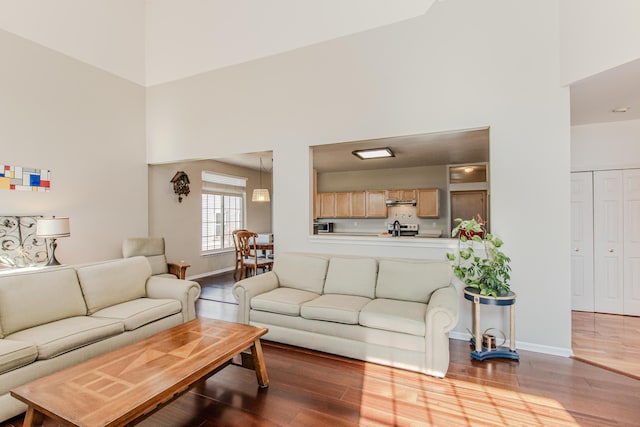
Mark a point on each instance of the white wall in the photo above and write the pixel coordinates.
(602, 146)
(597, 35)
(465, 64)
(87, 127)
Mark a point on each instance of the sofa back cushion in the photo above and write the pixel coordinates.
(352, 276)
(409, 280)
(158, 264)
(35, 298)
(301, 271)
(150, 247)
(114, 282)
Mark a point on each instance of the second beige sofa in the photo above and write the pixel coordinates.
(396, 312)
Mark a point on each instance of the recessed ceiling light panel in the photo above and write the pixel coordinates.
(373, 153)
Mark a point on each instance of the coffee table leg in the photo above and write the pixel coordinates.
(258, 363)
(32, 418)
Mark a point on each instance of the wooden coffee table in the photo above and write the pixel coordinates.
(118, 387)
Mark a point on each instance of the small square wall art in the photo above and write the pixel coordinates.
(19, 178)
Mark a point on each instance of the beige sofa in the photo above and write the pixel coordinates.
(396, 312)
(59, 316)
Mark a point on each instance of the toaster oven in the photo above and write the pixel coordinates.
(323, 227)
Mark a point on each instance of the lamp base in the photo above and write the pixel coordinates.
(52, 260)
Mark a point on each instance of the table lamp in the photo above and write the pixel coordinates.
(53, 228)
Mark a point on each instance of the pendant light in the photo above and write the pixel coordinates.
(260, 194)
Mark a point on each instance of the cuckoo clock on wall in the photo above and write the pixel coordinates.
(180, 184)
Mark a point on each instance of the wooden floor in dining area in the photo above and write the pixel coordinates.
(315, 389)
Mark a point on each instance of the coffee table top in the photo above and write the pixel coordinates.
(121, 385)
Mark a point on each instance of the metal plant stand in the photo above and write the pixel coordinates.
(480, 352)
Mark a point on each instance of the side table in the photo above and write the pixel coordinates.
(480, 353)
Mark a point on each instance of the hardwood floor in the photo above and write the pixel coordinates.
(607, 340)
(315, 389)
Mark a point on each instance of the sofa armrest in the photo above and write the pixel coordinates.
(445, 301)
(247, 288)
(185, 291)
(441, 317)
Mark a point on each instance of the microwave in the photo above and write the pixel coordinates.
(323, 227)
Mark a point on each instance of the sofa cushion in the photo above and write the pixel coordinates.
(306, 272)
(411, 280)
(334, 308)
(139, 312)
(282, 300)
(61, 336)
(352, 276)
(393, 315)
(14, 354)
(34, 298)
(113, 282)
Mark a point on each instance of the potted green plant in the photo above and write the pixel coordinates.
(488, 272)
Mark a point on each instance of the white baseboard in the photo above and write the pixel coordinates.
(538, 348)
(211, 273)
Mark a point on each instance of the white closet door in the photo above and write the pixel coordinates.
(582, 241)
(631, 242)
(608, 241)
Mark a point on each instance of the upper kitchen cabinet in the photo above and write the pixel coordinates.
(327, 203)
(352, 204)
(376, 204)
(428, 203)
(358, 204)
(401, 194)
(343, 205)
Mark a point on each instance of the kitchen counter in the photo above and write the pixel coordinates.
(436, 235)
(370, 238)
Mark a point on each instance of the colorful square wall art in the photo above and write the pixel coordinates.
(24, 179)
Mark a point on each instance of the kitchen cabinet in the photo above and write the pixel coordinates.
(343, 205)
(327, 205)
(316, 202)
(358, 204)
(352, 204)
(428, 203)
(376, 203)
(401, 194)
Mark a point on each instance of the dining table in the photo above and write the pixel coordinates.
(264, 247)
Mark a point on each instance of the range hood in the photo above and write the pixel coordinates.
(411, 202)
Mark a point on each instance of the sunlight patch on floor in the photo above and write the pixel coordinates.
(388, 392)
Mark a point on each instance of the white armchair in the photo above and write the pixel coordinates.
(153, 249)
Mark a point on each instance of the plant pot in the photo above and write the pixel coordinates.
(469, 234)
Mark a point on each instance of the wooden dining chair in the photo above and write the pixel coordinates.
(251, 260)
(238, 267)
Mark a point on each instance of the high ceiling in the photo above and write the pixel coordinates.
(594, 98)
(156, 41)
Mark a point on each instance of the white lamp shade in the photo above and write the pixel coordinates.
(260, 195)
(53, 227)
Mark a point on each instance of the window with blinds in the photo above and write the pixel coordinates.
(223, 210)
